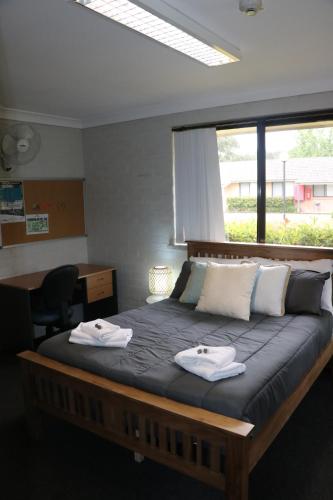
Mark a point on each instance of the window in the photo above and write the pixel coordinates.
(277, 179)
(329, 189)
(319, 190)
(300, 157)
(244, 189)
(277, 189)
(248, 189)
(238, 169)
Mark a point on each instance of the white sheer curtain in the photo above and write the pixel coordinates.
(198, 192)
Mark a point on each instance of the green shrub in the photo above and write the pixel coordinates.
(242, 204)
(242, 231)
(283, 234)
(273, 205)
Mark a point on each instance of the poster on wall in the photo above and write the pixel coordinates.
(37, 224)
(11, 202)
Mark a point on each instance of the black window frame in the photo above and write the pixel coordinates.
(261, 123)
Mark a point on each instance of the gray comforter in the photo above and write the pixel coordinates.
(278, 352)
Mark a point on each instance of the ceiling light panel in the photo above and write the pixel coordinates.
(141, 20)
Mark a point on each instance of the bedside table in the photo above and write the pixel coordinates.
(156, 298)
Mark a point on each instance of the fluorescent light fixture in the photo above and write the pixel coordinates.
(147, 23)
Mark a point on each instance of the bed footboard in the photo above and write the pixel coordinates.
(212, 448)
(209, 447)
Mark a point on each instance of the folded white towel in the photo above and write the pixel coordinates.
(99, 328)
(210, 363)
(228, 371)
(119, 342)
(106, 335)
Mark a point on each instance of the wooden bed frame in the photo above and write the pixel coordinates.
(213, 448)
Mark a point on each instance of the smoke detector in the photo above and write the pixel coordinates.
(250, 7)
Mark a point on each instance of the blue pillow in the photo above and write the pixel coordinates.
(194, 285)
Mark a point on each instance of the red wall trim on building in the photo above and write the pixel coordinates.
(298, 192)
(308, 192)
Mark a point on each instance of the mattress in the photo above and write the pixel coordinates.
(277, 351)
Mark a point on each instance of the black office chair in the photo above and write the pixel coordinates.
(56, 293)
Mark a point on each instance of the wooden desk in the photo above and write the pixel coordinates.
(96, 289)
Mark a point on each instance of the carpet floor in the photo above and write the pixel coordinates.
(71, 464)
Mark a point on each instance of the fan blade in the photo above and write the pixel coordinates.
(24, 131)
(8, 145)
(15, 160)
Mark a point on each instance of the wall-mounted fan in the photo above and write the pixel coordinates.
(19, 145)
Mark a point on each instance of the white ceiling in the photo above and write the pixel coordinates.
(59, 59)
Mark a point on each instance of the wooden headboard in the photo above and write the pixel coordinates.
(241, 250)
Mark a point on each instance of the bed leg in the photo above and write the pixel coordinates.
(32, 414)
(237, 469)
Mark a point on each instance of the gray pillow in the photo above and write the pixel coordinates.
(182, 280)
(304, 291)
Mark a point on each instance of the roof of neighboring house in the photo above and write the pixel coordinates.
(298, 170)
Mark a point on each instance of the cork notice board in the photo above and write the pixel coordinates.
(61, 201)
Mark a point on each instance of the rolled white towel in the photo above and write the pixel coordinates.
(210, 363)
(209, 356)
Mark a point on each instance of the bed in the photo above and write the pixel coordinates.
(140, 399)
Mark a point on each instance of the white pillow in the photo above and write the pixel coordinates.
(321, 265)
(227, 290)
(270, 288)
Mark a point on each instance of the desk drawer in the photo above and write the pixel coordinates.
(99, 292)
(99, 279)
